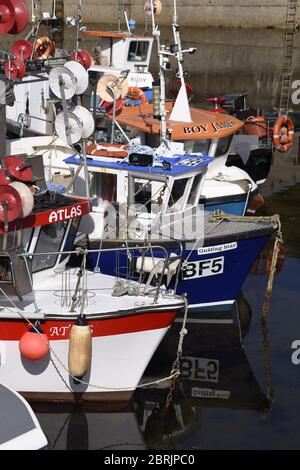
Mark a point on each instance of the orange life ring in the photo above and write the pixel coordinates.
(283, 134)
(108, 150)
(43, 48)
(136, 94)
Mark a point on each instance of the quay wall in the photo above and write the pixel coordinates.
(195, 13)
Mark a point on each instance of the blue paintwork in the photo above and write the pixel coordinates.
(205, 291)
(179, 164)
(235, 208)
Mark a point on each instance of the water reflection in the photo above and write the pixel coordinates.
(215, 374)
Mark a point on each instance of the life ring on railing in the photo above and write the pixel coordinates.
(108, 150)
(43, 48)
(283, 134)
(136, 94)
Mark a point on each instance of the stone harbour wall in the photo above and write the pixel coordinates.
(196, 13)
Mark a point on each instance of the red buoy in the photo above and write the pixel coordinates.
(34, 345)
(10, 203)
(17, 168)
(83, 57)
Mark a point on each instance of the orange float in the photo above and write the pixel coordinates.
(43, 48)
(34, 345)
(283, 134)
(136, 94)
(108, 150)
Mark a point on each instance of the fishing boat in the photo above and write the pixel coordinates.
(22, 430)
(67, 333)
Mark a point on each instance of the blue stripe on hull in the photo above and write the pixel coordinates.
(235, 208)
(208, 292)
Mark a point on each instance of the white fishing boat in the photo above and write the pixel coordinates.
(95, 334)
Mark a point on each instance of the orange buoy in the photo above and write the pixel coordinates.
(34, 345)
(136, 94)
(43, 48)
(283, 134)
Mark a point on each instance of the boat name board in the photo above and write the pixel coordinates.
(214, 127)
(217, 248)
(66, 213)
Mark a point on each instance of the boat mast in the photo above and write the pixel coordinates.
(181, 109)
(163, 119)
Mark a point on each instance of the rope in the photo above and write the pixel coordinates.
(176, 364)
(269, 288)
(172, 375)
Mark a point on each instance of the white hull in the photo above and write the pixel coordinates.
(118, 362)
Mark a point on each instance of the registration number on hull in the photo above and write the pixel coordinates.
(203, 268)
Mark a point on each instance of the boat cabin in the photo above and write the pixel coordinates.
(164, 186)
(50, 228)
(208, 133)
(120, 51)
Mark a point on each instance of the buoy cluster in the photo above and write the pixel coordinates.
(14, 18)
(34, 346)
(16, 194)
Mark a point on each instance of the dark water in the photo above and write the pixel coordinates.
(252, 385)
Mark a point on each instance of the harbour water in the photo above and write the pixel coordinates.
(239, 388)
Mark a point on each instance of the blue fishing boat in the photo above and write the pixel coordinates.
(156, 198)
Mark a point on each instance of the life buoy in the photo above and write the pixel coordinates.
(43, 48)
(108, 150)
(136, 94)
(283, 134)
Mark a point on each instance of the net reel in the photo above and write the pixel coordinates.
(81, 125)
(68, 80)
(14, 16)
(14, 69)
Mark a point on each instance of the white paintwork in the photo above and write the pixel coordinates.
(118, 360)
(34, 439)
(41, 115)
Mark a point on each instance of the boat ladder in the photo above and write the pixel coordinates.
(288, 56)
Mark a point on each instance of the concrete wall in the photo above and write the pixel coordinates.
(199, 13)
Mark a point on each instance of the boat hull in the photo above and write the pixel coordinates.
(214, 274)
(121, 350)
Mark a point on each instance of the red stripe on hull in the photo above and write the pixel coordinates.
(12, 330)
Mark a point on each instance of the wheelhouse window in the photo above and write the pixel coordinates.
(197, 146)
(223, 146)
(49, 240)
(138, 51)
(176, 199)
(194, 190)
(103, 187)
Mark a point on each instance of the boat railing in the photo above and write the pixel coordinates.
(160, 267)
